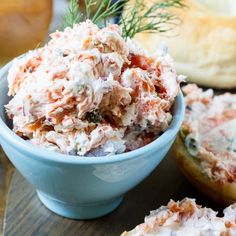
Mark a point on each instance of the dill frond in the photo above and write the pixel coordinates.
(137, 18)
(73, 15)
(156, 18)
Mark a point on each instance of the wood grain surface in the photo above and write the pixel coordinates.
(25, 214)
(6, 170)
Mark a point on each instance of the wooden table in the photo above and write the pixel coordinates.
(25, 214)
(6, 170)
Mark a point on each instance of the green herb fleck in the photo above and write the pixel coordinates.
(81, 87)
(93, 117)
(231, 146)
(191, 145)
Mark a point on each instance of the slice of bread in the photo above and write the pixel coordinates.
(185, 218)
(222, 192)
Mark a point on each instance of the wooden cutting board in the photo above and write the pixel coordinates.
(25, 214)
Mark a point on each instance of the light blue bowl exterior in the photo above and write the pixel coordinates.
(83, 187)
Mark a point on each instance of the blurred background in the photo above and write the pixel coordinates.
(203, 46)
(25, 24)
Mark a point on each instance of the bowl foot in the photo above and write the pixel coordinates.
(79, 211)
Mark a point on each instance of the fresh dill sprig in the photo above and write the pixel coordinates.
(156, 18)
(136, 18)
(88, 6)
(107, 9)
(73, 14)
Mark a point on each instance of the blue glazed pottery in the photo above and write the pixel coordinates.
(82, 187)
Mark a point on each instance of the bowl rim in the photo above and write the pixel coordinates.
(20, 144)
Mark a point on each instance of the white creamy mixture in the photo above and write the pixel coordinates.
(90, 92)
(209, 131)
(186, 218)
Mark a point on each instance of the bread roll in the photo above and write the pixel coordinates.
(204, 45)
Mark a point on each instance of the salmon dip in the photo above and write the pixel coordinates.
(209, 132)
(186, 218)
(90, 92)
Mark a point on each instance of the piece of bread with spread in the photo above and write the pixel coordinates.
(206, 145)
(204, 44)
(186, 218)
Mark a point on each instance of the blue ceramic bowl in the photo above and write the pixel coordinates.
(83, 187)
